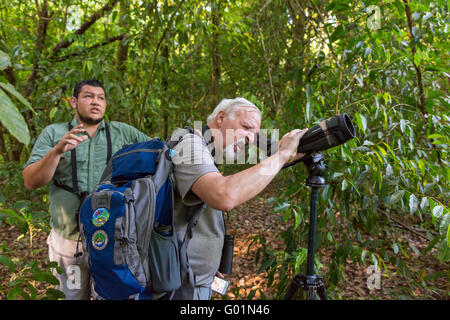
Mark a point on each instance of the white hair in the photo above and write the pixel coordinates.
(230, 106)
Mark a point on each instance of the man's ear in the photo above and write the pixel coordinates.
(73, 102)
(220, 117)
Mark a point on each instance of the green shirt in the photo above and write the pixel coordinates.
(91, 161)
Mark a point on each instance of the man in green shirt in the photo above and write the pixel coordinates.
(51, 159)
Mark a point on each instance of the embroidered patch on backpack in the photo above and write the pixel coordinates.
(99, 240)
(100, 217)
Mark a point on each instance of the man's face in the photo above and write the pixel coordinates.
(238, 130)
(90, 104)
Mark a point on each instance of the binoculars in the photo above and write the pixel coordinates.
(327, 134)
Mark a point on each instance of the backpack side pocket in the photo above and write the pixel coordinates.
(164, 260)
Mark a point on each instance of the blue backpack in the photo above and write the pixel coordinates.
(126, 225)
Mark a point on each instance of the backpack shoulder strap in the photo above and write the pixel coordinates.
(73, 163)
(187, 276)
(172, 143)
(108, 142)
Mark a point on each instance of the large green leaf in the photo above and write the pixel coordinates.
(362, 122)
(445, 223)
(413, 203)
(45, 277)
(396, 197)
(443, 251)
(10, 88)
(338, 33)
(14, 293)
(300, 259)
(53, 294)
(438, 211)
(448, 235)
(13, 120)
(7, 262)
(5, 62)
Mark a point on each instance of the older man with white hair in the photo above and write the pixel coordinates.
(203, 193)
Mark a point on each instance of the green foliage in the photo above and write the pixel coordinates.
(26, 221)
(25, 278)
(29, 216)
(396, 169)
(10, 116)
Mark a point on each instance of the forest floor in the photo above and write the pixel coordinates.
(248, 220)
(257, 218)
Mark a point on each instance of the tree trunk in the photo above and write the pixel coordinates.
(41, 33)
(122, 48)
(155, 56)
(3, 150)
(296, 48)
(165, 85)
(215, 54)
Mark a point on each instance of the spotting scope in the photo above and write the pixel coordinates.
(326, 134)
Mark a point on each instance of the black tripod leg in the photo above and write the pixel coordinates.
(310, 293)
(292, 288)
(322, 292)
(310, 282)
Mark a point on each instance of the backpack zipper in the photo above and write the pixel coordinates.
(136, 150)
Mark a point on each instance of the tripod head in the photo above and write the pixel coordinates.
(316, 168)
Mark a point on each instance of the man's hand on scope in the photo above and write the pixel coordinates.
(70, 140)
(288, 145)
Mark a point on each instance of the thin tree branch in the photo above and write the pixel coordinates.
(85, 26)
(264, 6)
(100, 44)
(404, 226)
(413, 52)
(419, 74)
(336, 108)
(329, 44)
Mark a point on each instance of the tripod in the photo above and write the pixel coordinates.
(310, 282)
